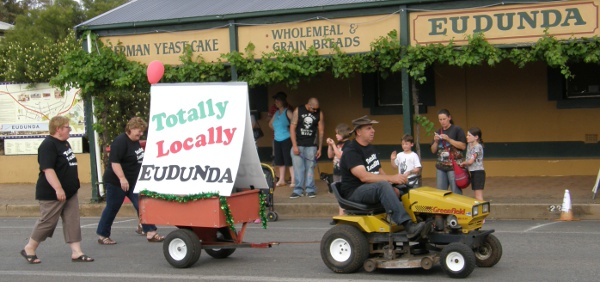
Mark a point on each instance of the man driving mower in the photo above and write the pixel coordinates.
(364, 181)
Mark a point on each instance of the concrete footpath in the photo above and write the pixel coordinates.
(537, 197)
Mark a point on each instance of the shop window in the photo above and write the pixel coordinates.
(389, 92)
(585, 84)
(581, 91)
(259, 99)
(384, 95)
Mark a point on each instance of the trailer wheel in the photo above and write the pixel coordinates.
(488, 254)
(223, 236)
(182, 248)
(272, 216)
(457, 260)
(344, 248)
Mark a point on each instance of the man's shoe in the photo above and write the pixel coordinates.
(311, 194)
(413, 230)
(294, 196)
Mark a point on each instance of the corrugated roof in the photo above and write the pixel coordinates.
(5, 26)
(157, 10)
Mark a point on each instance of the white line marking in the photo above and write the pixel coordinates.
(96, 224)
(539, 226)
(167, 277)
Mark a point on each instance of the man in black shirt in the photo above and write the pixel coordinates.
(364, 181)
(307, 128)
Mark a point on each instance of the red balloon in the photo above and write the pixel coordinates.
(155, 71)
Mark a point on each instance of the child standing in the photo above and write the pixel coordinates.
(334, 150)
(407, 162)
(475, 161)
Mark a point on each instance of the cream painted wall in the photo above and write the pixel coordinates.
(25, 169)
(509, 104)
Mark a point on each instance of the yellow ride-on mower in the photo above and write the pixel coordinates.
(365, 237)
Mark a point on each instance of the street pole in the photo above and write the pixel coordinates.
(95, 153)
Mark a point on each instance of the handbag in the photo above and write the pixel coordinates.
(461, 175)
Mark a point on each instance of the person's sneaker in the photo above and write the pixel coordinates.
(413, 230)
(295, 196)
(311, 194)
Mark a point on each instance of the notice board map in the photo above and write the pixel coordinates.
(25, 111)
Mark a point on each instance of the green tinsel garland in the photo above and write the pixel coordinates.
(263, 207)
(227, 211)
(180, 199)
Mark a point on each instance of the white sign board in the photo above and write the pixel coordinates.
(200, 140)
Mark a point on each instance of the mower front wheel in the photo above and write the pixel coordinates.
(488, 254)
(344, 248)
(457, 260)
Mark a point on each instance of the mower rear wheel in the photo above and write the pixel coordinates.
(457, 260)
(344, 248)
(488, 254)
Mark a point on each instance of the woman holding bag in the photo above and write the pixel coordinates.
(120, 178)
(449, 139)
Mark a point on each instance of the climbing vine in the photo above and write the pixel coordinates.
(120, 88)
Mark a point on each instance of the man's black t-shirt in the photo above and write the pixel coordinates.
(307, 127)
(356, 155)
(57, 155)
(127, 153)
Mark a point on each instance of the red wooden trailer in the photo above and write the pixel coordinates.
(202, 224)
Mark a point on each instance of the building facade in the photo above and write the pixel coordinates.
(534, 120)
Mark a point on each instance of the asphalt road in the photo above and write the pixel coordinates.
(533, 251)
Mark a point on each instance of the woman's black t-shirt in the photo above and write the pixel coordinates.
(127, 153)
(57, 155)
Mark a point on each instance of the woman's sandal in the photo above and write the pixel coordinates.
(31, 259)
(156, 238)
(106, 241)
(139, 230)
(82, 258)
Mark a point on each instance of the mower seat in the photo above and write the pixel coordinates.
(353, 208)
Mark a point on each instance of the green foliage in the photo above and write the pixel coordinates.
(197, 70)
(34, 62)
(53, 22)
(280, 66)
(120, 88)
(94, 8)
(33, 50)
(424, 122)
(10, 9)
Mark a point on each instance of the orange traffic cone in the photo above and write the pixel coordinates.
(566, 212)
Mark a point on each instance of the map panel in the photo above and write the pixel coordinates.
(25, 111)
